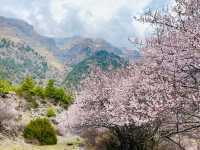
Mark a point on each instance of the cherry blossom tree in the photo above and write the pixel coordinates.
(175, 46)
(127, 102)
(156, 98)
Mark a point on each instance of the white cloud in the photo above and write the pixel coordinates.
(109, 19)
(95, 10)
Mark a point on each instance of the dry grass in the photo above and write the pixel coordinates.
(63, 144)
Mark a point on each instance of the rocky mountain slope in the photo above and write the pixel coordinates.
(22, 32)
(75, 49)
(102, 59)
(18, 60)
(28, 52)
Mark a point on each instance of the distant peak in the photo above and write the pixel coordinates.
(17, 23)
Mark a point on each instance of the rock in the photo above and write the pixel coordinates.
(2, 95)
(54, 121)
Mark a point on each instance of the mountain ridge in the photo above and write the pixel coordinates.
(60, 54)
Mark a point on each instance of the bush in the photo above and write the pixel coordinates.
(50, 112)
(28, 84)
(50, 89)
(57, 94)
(5, 87)
(41, 130)
(61, 96)
(31, 91)
(39, 91)
(28, 89)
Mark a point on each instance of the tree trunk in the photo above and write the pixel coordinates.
(130, 144)
(124, 144)
(130, 139)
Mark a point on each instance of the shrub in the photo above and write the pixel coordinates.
(57, 94)
(31, 91)
(41, 130)
(51, 112)
(62, 96)
(27, 90)
(39, 91)
(28, 84)
(50, 89)
(5, 87)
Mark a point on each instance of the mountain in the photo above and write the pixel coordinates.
(18, 60)
(22, 32)
(24, 51)
(75, 49)
(102, 59)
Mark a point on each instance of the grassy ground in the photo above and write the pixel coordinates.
(71, 143)
(63, 144)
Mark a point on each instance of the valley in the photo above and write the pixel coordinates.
(32, 66)
(100, 75)
(24, 52)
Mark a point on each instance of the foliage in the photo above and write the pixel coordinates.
(105, 60)
(27, 85)
(40, 129)
(61, 96)
(164, 83)
(5, 87)
(51, 112)
(26, 90)
(57, 94)
(102, 59)
(39, 91)
(173, 57)
(23, 59)
(158, 97)
(50, 89)
(5, 43)
(32, 91)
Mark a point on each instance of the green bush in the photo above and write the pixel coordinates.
(61, 96)
(32, 91)
(28, 84)
(50, 89)
(26, 89)
(58, 94)
(39, 91)
(50, 112)
(5, 87)
(41, 130)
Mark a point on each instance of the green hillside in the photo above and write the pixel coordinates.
(102, 59)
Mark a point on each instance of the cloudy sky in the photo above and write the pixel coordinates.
(108, 19)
